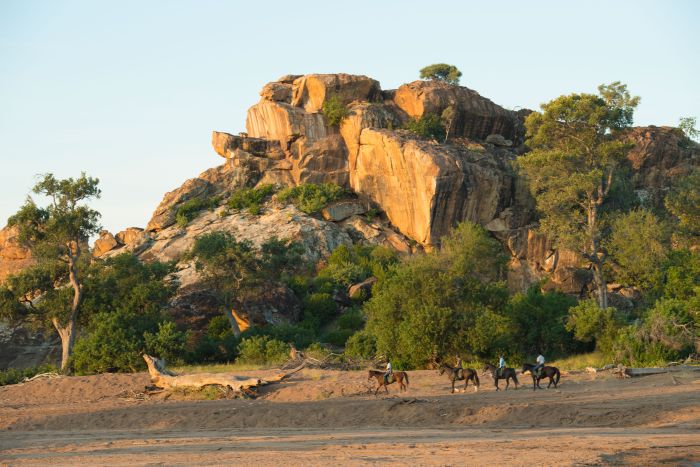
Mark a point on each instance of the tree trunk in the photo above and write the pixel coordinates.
(602, 285)
(67, 334)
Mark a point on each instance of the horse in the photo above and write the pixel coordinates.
(397, 376)
(508, 373)
(459, 374)
(550, 372)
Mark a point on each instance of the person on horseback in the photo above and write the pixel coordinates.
(388, 373)
(539, 366)
(460, 370)
(501, 365)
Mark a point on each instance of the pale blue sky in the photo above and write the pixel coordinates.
(129, 91)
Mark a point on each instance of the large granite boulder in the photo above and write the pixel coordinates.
(426, 188)
(105, 243)
(476, 117)
(311, 91)
(13, 257)
(285, 123)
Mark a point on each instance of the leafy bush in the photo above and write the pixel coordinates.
(116, 342)
(262, 350)
(540, 321)
(318, 309)
(191, 208)
(352, 320)
(334, 110)
(361, 345)
(337, 337)
(593, 324)
(668, 332)
(17, 375)
(310, 197)
(350, 265)
(428, 126)
(251, 199)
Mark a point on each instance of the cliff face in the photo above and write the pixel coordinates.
(422, 188)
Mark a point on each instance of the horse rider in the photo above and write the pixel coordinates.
(389, 372)
(501, 365)
(539, 366)
(459, 366)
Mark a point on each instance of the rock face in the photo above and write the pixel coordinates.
(659, 155)
(311, 91)
(426, 188)
(105, 243)
(13, 257)
(476, 116)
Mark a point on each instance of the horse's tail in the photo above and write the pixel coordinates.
(406, 376)
(557, 375)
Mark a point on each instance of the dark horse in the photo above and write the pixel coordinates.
(508, 374)
(459, 374)
(397, 376)
(550, 372)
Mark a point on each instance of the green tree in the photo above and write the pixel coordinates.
(447, 118)
(683, 201)
(637, 246)
(687, 126)
(232, 269)
(572, 167)
(591, 323)
(431, 305)
(441, 72)
(540, 321)
(57, 236)
(334, 110)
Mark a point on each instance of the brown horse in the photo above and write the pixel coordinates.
(507, 374)
(397, 376)
(459, 374)
(550, 372)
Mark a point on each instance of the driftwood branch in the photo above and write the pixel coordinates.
(167, 379)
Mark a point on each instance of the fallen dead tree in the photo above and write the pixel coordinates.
(166, 379)
(656, 371)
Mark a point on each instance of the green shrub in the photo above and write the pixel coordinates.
(310, 197)
(17, 375)
(428, 126)
(319, 307)
(441, 72)
(251, 199)
(334, 111)
(361, 345)
(352, 320)
(338, 337)
(191, 208)
(593, 324)
(116, 342)
(262, 350)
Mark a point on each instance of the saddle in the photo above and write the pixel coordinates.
(460, 373)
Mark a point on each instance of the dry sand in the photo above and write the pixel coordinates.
(322, 417)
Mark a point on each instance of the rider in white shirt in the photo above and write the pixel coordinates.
(389, 371)
(501, 364)
(540, 364)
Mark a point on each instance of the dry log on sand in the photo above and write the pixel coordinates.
(656, 371)
(167, 379)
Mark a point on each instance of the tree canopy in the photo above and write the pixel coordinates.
(57, 235)
(441, 72)
(573, 166)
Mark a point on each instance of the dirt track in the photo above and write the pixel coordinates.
(326, 416)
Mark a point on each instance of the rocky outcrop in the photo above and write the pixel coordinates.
(105, 243)
(476, 116)
(13, 257)
(658, 156)
(426, 188)
(311, 91)
(341, 210)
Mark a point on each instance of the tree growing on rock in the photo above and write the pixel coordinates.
(57, 235)
(231, 268)
(448, 117)
(573, 165)
(441, 72)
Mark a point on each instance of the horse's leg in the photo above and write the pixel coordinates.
(453, 386)
(534, 383)
(507, 383)
(386, 388)
(380, 385)
(495, 380)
